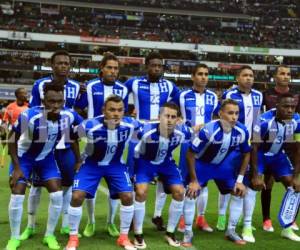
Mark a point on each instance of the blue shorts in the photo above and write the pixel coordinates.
(130, 158)
(44, 170)
(182, 160)
(168, 173)
(278, 165)
(90, 173)
(65, 160)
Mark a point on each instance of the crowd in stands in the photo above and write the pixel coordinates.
(267, 27)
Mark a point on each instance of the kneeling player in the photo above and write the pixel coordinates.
(278, 127)
(210, 157)
(154, 157)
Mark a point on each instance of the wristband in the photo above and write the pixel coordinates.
(240, 179)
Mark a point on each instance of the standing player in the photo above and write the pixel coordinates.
(282, 78)
(197, 107)
(107, 137)
(60, 63)
(150, 92)
(97, 91)
(154, 157)
(212, 149)
(31, 146)
(278, 128)
(250, 103)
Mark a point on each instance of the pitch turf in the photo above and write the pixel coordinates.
(154, 239)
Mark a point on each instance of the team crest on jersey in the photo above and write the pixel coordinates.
(71, 92)
(236, 140)
(118, 92)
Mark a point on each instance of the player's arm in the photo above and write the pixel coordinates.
(194, 186)
(35, 99)
(76, 150)
(239, 188)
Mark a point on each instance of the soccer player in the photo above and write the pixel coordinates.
(282, 78)
(31, 145)
(107, 137)
(210, 157)
(278, 128)
(197, 106)
(154, 157)
(97, 90)
(60, 63)
(250, 103)
(150, 92)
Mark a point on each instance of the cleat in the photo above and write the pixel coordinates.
(124, 242)
(159, 223)
(187, 239)
(267, 226)
(65, 230)
(171, 239)
(181, 225)
(51, 242)
(221, 224)
(203, 225)
(234, 237)
(288, 233)
(28, 233)
(139, 241)
(295, 226)
(89, 230)
(112, 230)
(73, 243)
(13, 244)
(248, 235)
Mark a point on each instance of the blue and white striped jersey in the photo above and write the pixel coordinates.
(70, 93)
(156, 148)
(104, 145)
(39, 136)
(96, 94)
(250, 105)
(197, 108)
(274, 134)
(149, 97)
(212, 145)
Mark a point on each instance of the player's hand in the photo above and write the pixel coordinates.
(258, 183)
(77, 166)
(197, 128)
(239, 189)
(193, 189)
(16, 175)
(82, 88)
(296, 184)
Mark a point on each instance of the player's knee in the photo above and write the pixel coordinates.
(126, 198)
(77, 198)
(140, 194)
(178, 194)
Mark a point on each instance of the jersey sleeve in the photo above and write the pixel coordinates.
(245, 146)
(175, 91)
(128, 84)
(35, 99)
(82, 101)
(198, 143)
(21, 123)
(125, 101)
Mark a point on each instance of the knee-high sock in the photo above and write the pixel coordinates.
(223, 203)
(189, 213)
(15, 210)
(249, 205)
(34, 198)
(175, 211)
(202, 201)
(55, 206)
(112, 210)
(67, 196)
(75, 214)
(160, 199)
(139, 215)
(126, 216)
(90, 206)
(266, 195)
(235, 211)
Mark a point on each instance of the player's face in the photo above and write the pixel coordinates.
(200, 79)
(22, 95)
(61, 66)
(283, 76)
(286, 108)
(155, 69)
(113, 113)
(110, 71)
(230, 114)
(245, 79)
(53, 102)
(168, 118)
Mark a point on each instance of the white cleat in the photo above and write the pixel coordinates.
(288, 233)
(247, 235)
(172, 241)
(295, 227)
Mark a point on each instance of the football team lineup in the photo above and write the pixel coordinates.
(244, 141)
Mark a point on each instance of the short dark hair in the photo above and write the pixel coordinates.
(170, 105)
(18, 90)
(153, 55)
(199, 65)
(283, 96)
(239, 71)
(228, 102)
(54, 86)
(107, 56)
(113, 98)
(59, 53)
(280, 66)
